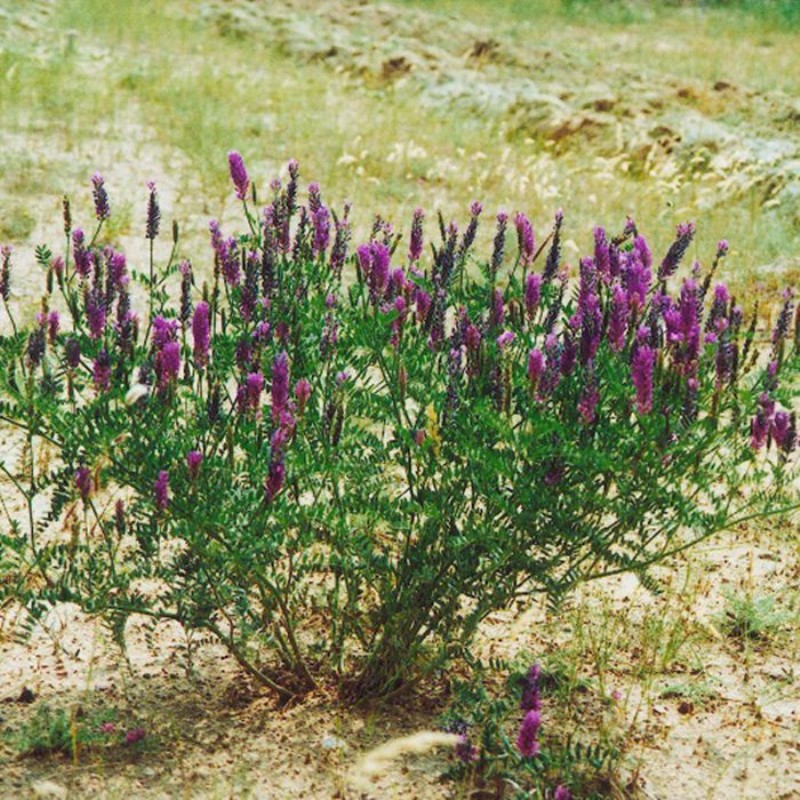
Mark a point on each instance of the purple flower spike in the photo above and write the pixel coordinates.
(415, 242)
(562, 793)
(200, 331)
(527, 743)
(466, 751)
(72, 353)
(161, 490)
(533, 294)
(322, 229)
(602, 259)
(101, 371)
(535, 367)
(135, 735)
(83, 482)
(676, 251)
(644, 360)
(302, 391)
(505, 339)
(193, 460)
(102, 210)
(280, 386)
(525, 239)
(781, 423)
(239, 176)
(95, 313)
(254, 386)
(531, 700)
(275, 479)
(153, 212)
(168, 363)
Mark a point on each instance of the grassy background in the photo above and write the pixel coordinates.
(165, 88)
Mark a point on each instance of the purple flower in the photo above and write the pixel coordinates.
(280, 385)
(499, 242)
(168, 363)
(164, 331)
(525, 239)
(676, 251)
(275, 478)
(53, 325)
(379, 270)
(193, 460)
(602, 260)
(423, 301)
(505, 339)
(781, 423)
(95, 313)
(102, 210)
(636, 279)
(80, 255)
(466, 751)
(302, 391)
(468, 239)
(108, 727)
(535, 367)
(562, 793)
(533, 293)
(322, 229)
(644, 360)
(415, 241)
(527, 743)
(101, 371)
(161, 490)
(72, 353)
(83, 482)
(761, 423)
(36, 346)
(135, 735)
(254, 385)
(497, 313)
(239, 176)
(554, 254)
(200, 332)
(530, 700)
(153, 212)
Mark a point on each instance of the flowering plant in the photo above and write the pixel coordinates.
(338, 464)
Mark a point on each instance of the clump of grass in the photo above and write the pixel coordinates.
(70, 732)
(752, 618)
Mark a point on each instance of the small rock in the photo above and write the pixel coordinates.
(333, 743)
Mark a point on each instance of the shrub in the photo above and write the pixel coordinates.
(338, 464)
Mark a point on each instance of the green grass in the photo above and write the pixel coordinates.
(200, 89)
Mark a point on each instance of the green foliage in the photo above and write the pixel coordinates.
(750, 617)
(488, 719)
(413, 471)
(58, 731)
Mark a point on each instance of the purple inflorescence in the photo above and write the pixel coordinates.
(526, 239)
(201, 333)
(102, 210)
(153, 212)
(194, 458)
(161, 490)
(239, 177)
(527, 742)
(644, 359)
(280, 386)
(83, 482)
